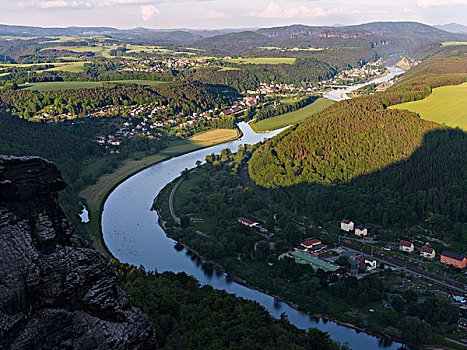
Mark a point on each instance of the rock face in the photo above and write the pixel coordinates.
(55, 293)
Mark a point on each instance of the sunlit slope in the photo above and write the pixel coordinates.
(344, 141)
(360, 136)
(446, 105)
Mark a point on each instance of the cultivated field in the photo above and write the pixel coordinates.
(446, 105)
(63, 85)
(295, 49)
(214, 136)
(106, 50)
(292, 117)
(73, 67)
(453, 43)
(264, 60)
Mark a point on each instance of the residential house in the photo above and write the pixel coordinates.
(406, 246)
(427, 252)
(347, 225)
(310, 243)
(312, 246)
(270, 241)
(370, 264)
(453, 259)
(462, 324)
(361, 231)
(247, 222)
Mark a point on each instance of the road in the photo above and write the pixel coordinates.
(171, 198)
(460, 287)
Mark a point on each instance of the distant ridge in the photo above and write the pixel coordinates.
(389, 36)
(453, 28)
(383, 37)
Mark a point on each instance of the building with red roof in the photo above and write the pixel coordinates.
(427, 252)
(247, 222)
(406, 246)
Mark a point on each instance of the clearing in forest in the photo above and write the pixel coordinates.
(446, 105)
(292, 117)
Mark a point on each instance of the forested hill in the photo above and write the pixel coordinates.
(383, 37)
(248, 76)
(373, 155)
(356, 136)
(180, 95)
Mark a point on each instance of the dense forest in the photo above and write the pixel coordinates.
(248, 76)
(187, 315)
(357, 159)
(182, 96)
(285, 108)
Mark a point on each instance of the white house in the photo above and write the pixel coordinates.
(247, 222)
(370, 264)
(427, 252)
(347, 225)
(406, 246)
(361, 231)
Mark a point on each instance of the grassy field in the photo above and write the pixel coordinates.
(446, 105)
(265, 60)
(95, 195)
(215, 136)
(62, 85)
(73, 67)
(105, 50)
(453, 43)
(295, 49)
(292, 117)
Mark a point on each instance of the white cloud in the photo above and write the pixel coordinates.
(428, 3)
(55, 4)
(215, 14)
(274, 10)
(148, 12)
(407, 10)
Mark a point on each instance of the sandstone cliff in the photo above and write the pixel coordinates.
(55, 293)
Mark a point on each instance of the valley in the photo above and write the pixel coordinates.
(258, 188)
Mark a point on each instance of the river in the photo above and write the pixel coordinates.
(341, 94)
(133, 235)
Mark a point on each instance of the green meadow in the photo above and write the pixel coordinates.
(72, 67)
(63, 85)
(446, 105)
(291, 118)
(264, 60)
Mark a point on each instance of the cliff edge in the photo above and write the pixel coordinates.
(55, 293)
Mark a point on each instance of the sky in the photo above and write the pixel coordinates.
(214, 14)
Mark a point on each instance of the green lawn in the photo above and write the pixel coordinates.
(292, 117)
(62, 85)
(72, 67)
(446, 105)
(265, 60)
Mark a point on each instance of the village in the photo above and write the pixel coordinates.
(344, 255)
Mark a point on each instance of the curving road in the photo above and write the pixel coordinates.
(171, 199)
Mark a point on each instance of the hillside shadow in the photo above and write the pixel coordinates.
(432, 180)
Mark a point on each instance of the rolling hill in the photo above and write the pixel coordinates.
(383, 37)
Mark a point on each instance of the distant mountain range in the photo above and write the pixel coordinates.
(453, 28)
(382, 36)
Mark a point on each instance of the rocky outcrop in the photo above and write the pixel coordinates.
(55, 293)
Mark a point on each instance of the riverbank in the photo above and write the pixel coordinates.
(241, 281)
(95, 196)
